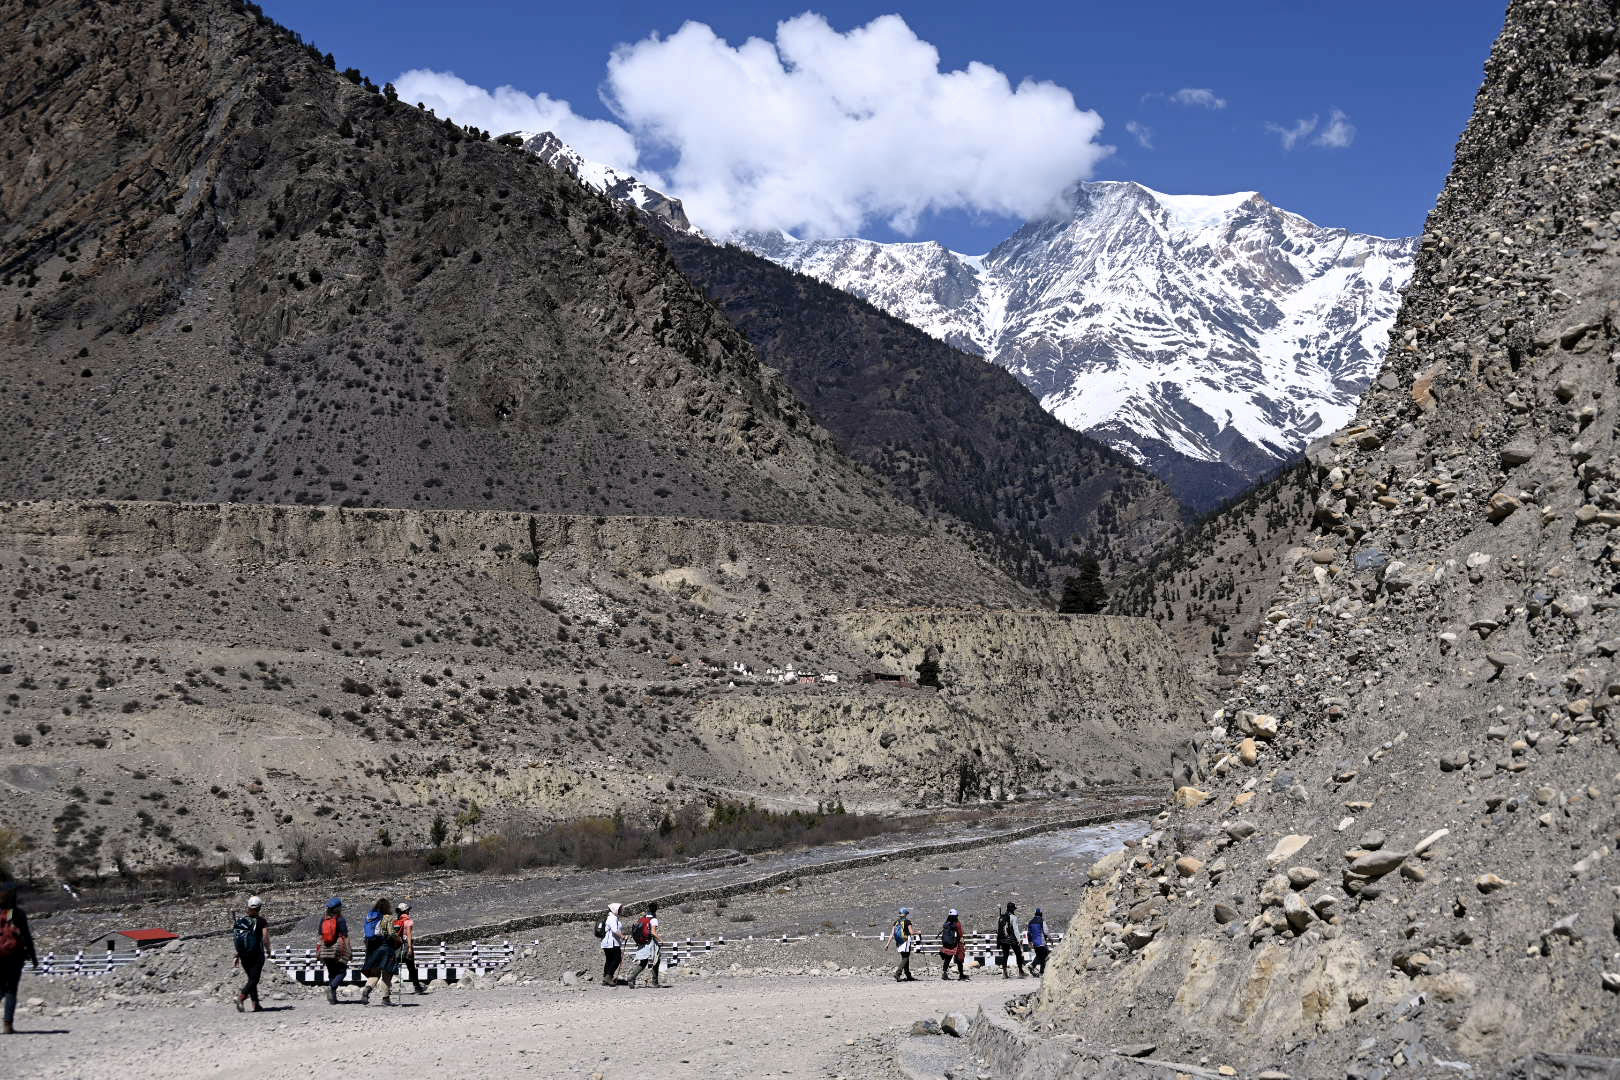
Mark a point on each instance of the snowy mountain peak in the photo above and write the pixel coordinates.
(1208, 337)
(606, 180)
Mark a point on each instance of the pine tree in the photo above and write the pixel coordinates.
(1084, 593)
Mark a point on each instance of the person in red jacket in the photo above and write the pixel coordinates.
(16, 949)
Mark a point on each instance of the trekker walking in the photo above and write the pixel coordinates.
(16, 949)
(333, 950)
(251, 935)
(407, 943)
(952, 946)
(644, 932)
(900, 937)
(1036, 928)
(382, 951)
(1007, 941)
(612, 944)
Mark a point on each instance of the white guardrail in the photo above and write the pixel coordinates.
(451, 963)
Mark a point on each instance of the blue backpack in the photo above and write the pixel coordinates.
(373, 923)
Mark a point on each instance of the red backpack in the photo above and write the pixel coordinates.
(10, 938)
(329, 934)
(641, 933)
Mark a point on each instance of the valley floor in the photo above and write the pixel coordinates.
(700, 1027)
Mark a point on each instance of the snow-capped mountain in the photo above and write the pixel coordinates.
(609, 181)
(1209, 338)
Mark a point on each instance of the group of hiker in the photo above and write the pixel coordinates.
(388, 935)
(642, 933)
(389, 938)
(903, 937)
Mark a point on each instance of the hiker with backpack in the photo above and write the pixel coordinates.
(251, 936)
(1007, 945)
(1036, 928)
(612, 934)
(333, 950)
(407, 943)
(382, 951)
(644, 932)
(901, 938)
(16, 949)
(952, 946)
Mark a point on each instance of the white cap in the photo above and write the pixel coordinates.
(404, 905)
(952, 911)
(254, 901)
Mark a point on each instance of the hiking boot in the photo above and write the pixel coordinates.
(240, 999)
(331, 995)
(365, 996)
(257, 1007)
(8, 1029)
(606, 981)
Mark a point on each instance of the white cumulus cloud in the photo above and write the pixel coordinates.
(821, 131)
(1197, 97)
(1143, 134)
(1338, 134)
(1296, 131)
(509, 109)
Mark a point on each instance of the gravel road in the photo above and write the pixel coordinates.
(699, 1028)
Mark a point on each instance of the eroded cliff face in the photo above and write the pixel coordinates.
(1397, 847)
(278, 672)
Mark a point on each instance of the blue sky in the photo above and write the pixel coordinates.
(1401, 75)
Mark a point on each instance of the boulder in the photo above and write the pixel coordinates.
(1287, 848)
(955, 1023)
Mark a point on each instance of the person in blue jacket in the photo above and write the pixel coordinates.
(1036, 929)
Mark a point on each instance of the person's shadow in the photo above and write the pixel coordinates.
(42, 1031)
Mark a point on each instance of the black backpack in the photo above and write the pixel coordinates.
(245, 932)
(601, 929)
(1004, 931)
(951, 935)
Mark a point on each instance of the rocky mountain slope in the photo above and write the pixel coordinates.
(1394, 853)
(948, 432)
(1208, 338)
(232, 274)
(1213, 587)
(183, 681)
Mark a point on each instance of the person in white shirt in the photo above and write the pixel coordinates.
(645, 935)
(612, 944)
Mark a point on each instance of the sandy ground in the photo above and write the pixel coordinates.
(698, 1028)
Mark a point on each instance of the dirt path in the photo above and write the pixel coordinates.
(700, 1028)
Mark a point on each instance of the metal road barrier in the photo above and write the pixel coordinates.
(445, 963)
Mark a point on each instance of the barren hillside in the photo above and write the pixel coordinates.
(1396, 852)
(183, 681)
(233, 274)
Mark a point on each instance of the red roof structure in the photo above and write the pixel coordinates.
(153, 936)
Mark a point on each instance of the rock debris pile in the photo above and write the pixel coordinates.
(1394, 850)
